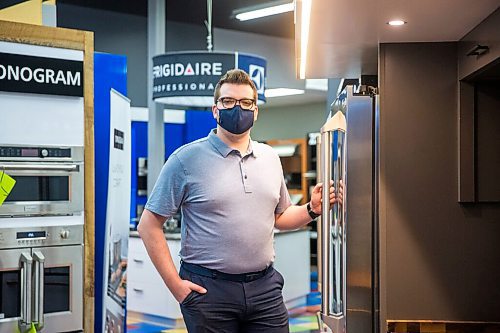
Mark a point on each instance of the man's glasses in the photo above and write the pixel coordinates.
(229, 102)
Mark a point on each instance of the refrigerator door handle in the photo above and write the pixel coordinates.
(333, 288)
(325, 223)
(38, 312)
(26, 266)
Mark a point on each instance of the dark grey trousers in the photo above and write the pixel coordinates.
(235, 307)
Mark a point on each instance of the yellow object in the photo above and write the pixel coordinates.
(29, 11)
(32, 329)
(6, 185)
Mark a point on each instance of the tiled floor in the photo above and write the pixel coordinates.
(302, 319)
(299, 323)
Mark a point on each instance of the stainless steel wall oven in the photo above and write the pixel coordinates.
(41, 276)
(41, 239)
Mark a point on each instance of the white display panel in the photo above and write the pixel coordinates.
(39, 119)
(170, 116)
(41, 51)
(117, 213)
(43, 120)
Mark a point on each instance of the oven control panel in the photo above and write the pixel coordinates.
(30, 152)
(31, 237)
(41, 236)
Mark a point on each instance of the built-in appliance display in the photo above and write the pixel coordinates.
(49, 180)
(31, 234)
(29, 152)
(42, 152)
(41, 277)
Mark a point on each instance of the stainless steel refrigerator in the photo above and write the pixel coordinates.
(348, 232)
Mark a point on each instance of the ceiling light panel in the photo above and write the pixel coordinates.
(267, 11)
(279, 92)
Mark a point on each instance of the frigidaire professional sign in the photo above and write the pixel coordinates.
(189, 78)
(39, 75)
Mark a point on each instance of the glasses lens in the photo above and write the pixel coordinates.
(228, 102)
(246, 103)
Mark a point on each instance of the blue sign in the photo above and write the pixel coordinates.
(255, 67)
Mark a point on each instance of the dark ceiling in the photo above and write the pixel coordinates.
(195, 12)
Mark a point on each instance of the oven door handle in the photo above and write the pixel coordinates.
(26, 265)
(41, 167)
(38, 311)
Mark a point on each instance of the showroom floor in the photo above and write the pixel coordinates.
(302, 319)
(305, 322)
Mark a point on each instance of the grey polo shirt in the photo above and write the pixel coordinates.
(228, 202)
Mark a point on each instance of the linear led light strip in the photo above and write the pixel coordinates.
(304, 36)
(287, 7)
(278, 92)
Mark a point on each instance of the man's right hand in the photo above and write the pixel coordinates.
(151, 231)
(184, 288)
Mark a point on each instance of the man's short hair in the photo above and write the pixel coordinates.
(235, 76)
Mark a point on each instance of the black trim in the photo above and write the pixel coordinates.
(9, 3)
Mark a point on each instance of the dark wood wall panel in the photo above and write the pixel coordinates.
(440, 258)
(488, 141)
(466, 144)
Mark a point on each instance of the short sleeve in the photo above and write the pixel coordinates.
(169, 190)
(284, 201)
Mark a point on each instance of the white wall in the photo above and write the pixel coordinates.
(279, 53)
(289, 122)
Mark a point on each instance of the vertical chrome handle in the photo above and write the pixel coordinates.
(333, 305)
(26, 263)
(319, 223)
(39, 260)
(326, 219)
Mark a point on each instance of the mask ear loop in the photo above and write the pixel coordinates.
(217, 120)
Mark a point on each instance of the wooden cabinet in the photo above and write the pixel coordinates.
(294, 156)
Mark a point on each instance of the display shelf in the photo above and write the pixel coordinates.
(293, 155)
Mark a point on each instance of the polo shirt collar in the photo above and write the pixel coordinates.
(251, 148)
(224, 149)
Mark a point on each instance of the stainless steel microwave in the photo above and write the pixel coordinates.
(49, 180)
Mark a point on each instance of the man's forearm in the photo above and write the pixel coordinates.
(156, 245)
(293, 217)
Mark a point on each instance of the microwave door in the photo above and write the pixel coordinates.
(333, 238)
(43, 188)
(15, 293)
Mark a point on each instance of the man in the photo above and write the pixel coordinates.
(232, 194)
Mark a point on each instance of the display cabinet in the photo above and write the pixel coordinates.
(294, 159)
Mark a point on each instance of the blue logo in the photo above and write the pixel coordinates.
(257, 76)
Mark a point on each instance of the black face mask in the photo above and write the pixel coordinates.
(235, 120)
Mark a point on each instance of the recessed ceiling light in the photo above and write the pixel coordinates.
(273, 8)
(396, 22)
(278, 92)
